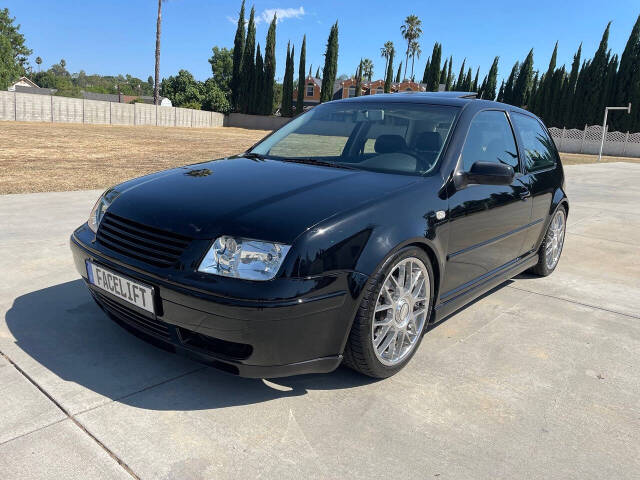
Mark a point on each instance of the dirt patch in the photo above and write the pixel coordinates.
(45, 157)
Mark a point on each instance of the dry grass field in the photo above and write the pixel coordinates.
(44, 157)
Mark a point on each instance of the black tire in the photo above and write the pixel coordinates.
(542, 268)
(359, 353)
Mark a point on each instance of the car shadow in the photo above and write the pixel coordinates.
(62, 329)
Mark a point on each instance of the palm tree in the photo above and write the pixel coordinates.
(367, 68)
(156, 86)
(386, 51)
(415, 51)
(38, 62)
(411, 30)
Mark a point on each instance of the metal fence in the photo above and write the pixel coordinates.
(28, 107)
(617, 144)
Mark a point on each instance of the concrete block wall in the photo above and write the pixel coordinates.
(67, 110)
(27, 107)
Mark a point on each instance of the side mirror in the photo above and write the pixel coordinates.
(486, 173)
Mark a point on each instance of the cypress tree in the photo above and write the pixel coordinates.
(535, 93)
(543, 100)
(592, 97)
(489, 90)
(449, 75)
(553, 110)
(389, 77)
(474, 85)
(432, 75)
(330, 65)
(238, 50)
(318, 72)
(460, 81)
(399, 72)
(258, 82)
(522, 86)
(507, 91)
(628, 82)
(501, 92)
(568, 97)
(466, 86)
(269, 69)
(247, 78)
(359, 79)
(578, 115)
(427, 72)
(284, 107)
(287, 84)
(443, 74)
(301, 78)
(482, 87)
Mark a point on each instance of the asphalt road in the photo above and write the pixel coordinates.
(539, 379)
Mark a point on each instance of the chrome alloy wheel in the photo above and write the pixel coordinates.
(555, 239)
(401, 311)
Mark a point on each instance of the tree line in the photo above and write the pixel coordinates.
(243, 78)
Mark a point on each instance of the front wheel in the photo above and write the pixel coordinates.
(551, 248)
(392, 316)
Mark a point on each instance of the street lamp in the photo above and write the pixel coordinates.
(604, 125)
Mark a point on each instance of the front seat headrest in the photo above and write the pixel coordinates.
(390, 144)
(428, 142)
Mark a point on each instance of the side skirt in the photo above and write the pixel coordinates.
(454, 303)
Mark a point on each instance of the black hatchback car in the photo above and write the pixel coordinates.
(341, 237)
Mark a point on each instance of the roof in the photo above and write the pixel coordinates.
(437, 98)
(27, 81)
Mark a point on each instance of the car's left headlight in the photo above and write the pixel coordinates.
(244, 258)
(99, 209)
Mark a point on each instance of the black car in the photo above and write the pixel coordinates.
(341, 237)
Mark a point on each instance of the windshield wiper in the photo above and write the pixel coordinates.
(313, 161)
(258, 156)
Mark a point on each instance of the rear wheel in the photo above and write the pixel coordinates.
(551, 247)
(392, 316)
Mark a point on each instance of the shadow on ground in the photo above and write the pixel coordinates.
(62, 329)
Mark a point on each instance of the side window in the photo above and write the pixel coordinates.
(539, 150)
(490, 139)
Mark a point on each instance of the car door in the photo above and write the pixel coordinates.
(486, 222)
(540, 161)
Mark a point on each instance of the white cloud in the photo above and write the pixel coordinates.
(282, 13)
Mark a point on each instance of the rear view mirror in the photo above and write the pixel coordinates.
(486, 173)
(370, 116)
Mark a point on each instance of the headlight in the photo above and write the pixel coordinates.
(99, 209)
(244, 258)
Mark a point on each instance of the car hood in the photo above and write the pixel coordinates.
(261, 199)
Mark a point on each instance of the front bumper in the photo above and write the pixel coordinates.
(259, 338)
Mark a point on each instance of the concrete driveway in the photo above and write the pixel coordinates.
(539, 379)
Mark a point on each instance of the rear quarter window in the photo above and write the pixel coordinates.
(539, 149)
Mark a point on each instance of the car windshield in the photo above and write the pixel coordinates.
(387, 137)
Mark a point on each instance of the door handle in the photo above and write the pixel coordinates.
(525, 194)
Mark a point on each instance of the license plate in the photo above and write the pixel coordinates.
(132, 292)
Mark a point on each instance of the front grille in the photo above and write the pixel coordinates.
(148, 325)
(148, 244)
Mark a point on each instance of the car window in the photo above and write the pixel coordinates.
(490, 139)
(380, 136)
(539, 151)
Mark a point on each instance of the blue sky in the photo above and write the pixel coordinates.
(118, 36)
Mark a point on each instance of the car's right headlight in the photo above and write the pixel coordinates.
(244, 258)
(99, 209)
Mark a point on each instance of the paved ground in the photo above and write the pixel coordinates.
(540, 379)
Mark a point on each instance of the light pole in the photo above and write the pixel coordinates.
(604, 125)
